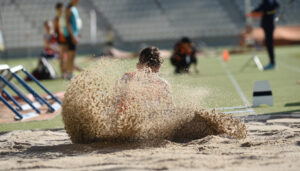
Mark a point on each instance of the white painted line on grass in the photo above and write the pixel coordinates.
(235, 84)
(266, 117)
(292, 68)
(233, 107)
(240, 111)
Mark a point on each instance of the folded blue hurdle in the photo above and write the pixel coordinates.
(6, 75)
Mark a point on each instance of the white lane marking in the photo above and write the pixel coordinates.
(235, 84)
(236, 109)
(237, 88)
(233, 107)
(289, 67)
(240, 111)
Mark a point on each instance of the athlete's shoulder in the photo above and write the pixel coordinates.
(163, 81)
(127, 76)
(130, 74)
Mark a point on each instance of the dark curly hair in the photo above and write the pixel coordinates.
(58, 5)
(150, 57)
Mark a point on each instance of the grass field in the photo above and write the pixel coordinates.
(211, 88)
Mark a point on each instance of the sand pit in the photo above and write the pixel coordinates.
(271, 145)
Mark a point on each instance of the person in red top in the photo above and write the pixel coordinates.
(144, 85)
(59, 23)
(50, 42)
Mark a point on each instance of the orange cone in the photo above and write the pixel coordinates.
(226, 55)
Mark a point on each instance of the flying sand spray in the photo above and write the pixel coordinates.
(90, 111)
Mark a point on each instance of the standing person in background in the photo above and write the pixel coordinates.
(71, 32)
(59, 24)
(268, 8)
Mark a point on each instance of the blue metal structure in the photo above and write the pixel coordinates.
(6, 74)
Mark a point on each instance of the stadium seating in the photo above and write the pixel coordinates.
(132, 20)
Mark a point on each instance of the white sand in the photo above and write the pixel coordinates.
(274, 145)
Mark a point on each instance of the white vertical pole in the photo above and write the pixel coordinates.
(248, 10)
(93, 22)
(1, 40)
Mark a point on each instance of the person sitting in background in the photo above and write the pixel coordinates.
(184, 55)
(59, 24)
(50, 42)
(44, 70)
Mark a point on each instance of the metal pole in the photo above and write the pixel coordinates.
(19, 94)
(42, 87)
(12, 99)
(3, 36)
(37, 96)
(93, 27)
(10, 107)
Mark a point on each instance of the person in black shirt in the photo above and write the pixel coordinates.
(268, 8)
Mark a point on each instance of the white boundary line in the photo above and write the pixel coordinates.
(240, 111)
(265, 117)
(233, 107)
(292, 68)
(236, 86)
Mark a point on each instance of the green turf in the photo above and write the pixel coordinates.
(208, 89)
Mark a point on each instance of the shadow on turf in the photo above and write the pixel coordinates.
(292, 104)
(270, 116)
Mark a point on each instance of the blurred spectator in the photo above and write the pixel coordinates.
(246, 39)
(71, 32)
(184, 55)
(44, 69)
(50, 42)
(59, 24)
(268, 8)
